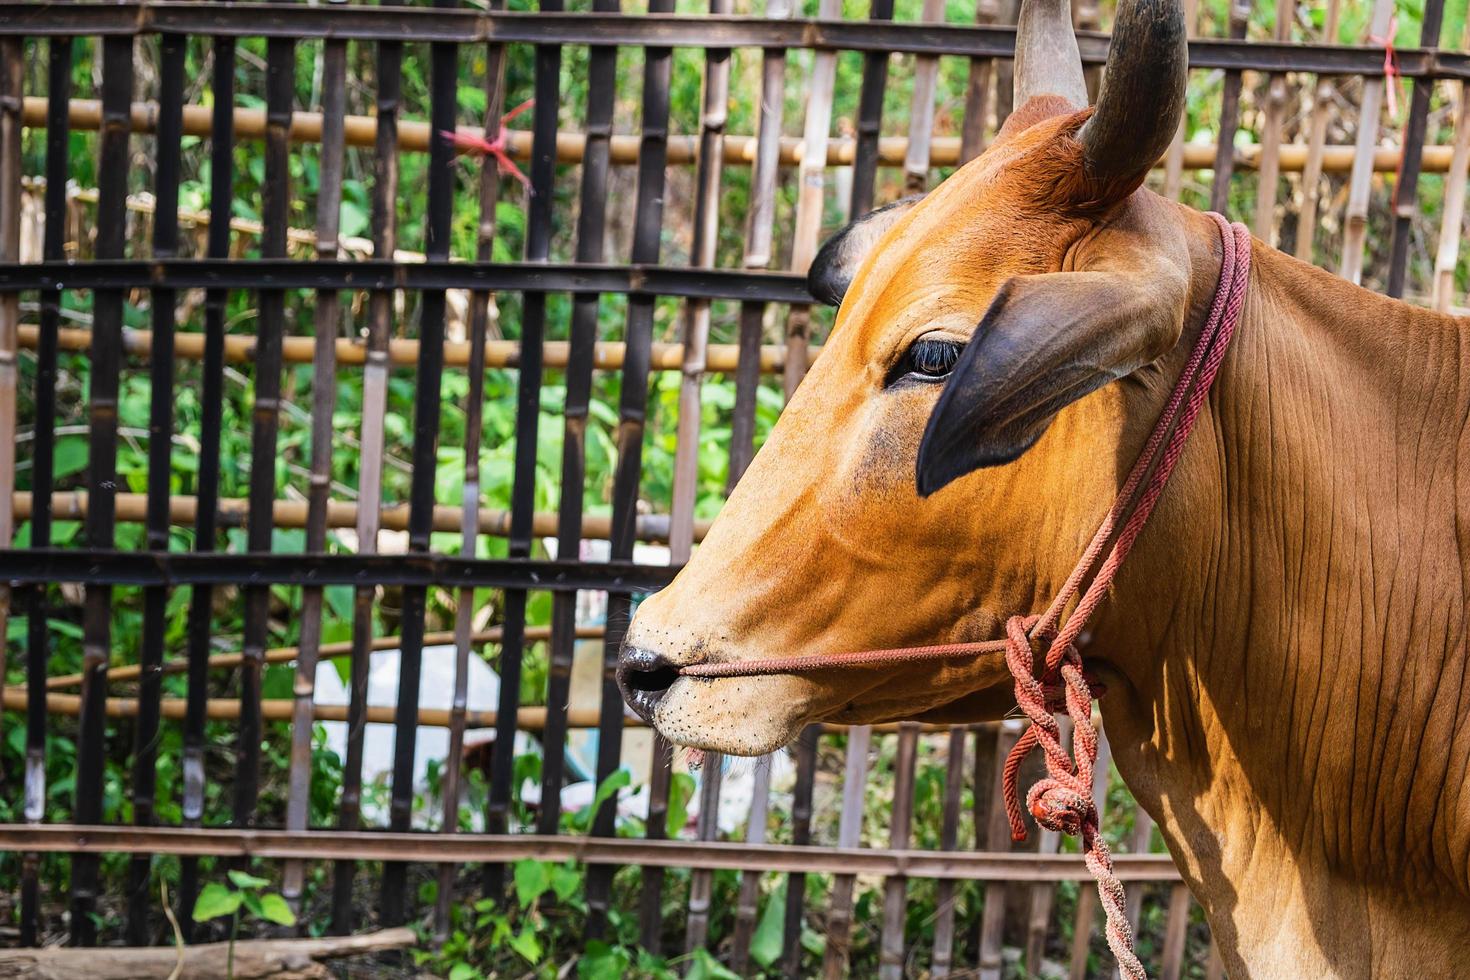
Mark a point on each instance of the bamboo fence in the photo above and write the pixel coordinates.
(1311, 182)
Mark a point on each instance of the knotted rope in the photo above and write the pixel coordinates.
(1062, 800)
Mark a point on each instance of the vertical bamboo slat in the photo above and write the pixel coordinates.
(327, 320)
(895, 889)
(758, 239)
(632, 414)
(443, 91)
(211, 421)
(1240, 13)
(949, 838)
(1175, 933)
(1086, 896)
(265, 419)
(102, 404)
(370, 470)
(849, 834)
(921, 110)
(43, 448)
(997, 837)
(686, 454)
(1174, 158)
(160, 434)
(1411, 162)
(812, 182)
(747, 905)
(1452, 227)
(12, 99)
(1360, 184)
(977, 88)
(1269, 173)
(1306, 227)
(470, 497)
(801, 833)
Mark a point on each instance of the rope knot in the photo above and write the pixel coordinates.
(1057, 806)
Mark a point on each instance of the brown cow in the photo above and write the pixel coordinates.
(1285, 650)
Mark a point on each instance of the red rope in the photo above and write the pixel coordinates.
(1062, 800)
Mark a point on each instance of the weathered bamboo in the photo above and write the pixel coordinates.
(1240, 13)
(323, 401)
(59, 57)
(738, 149)
(747, 905)
(1355, 225)
(1452, 226)
(1174, 156)
(1312, 167)
(996, 836)
(464, 635)
(102, 479)
(1406, 187)
(1139, 841)
(895, 888)
(160, 471)
(869, 120)
(1175, 933)
(11, 92)
(370, 471)
(686, 452)
(801, 836)
(849, 834)
(811, 192)
(949, 837)
(1271, 129)
(921, 110)
(404, 352)
(977, 93)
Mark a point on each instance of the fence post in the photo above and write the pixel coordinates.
(1306, 226)
(1412, 160)
(1360, 186)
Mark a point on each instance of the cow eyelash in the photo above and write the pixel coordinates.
(928, 359)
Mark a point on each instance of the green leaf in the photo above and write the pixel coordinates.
(606, 791)
(215, 901)
(532, 880)
(274, 908)
(463, 971)
(565, 881)
(703, 966)
(70, 456)
(243, 879)
(527, 945)
(765, 944)
(681, 791)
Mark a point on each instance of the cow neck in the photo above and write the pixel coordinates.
(1063, 800)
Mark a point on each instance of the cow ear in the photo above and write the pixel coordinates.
(1046, 341)
(838, 261)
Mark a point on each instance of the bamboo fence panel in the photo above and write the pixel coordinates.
(1451, 228)
(163, 281)
(996, 837)
(1174, 156)
(1239, 20)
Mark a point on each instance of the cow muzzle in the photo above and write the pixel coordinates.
(645, 678)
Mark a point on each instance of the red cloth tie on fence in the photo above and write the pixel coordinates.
(1063, 800)
(493, 148)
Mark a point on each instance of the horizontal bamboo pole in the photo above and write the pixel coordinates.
(123, 673)
(369, 845)
(528, 718)
(240, 349)
(306, 127)
(132, 508)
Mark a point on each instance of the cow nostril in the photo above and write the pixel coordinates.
(645, 677)
(661, 678)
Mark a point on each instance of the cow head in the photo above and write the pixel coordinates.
(957, 441)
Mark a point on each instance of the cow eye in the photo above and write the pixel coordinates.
(927, 359)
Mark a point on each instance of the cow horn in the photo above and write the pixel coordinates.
(1142, 95)
(1047, 61)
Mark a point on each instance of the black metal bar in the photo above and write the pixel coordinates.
(211, 421)
(375, 382)
(353, 22)
(160, 434)
(107, 321)
(801, 834)
(276, 190)
(1407, 187)
(632, 411)
(426, 415)
(546, 277)
(38, 648)
(870, 117)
